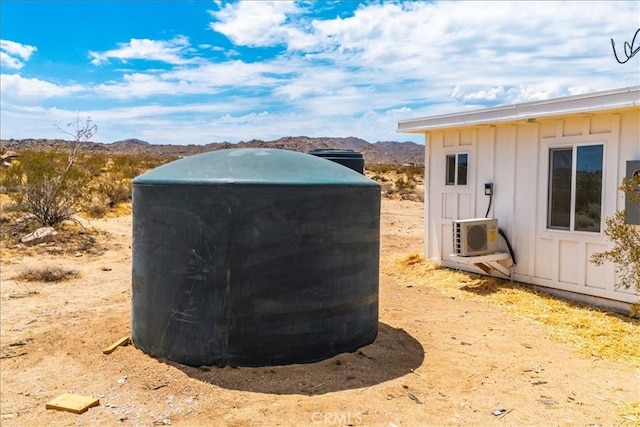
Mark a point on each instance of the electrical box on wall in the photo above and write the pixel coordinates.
(633, 209)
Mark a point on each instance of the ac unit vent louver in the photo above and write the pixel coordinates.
(473, 237)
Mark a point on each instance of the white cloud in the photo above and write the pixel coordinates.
(262, 23)
(22, 51)
(13, 55)
(204, 80)
(7, 61)
(140, 85)
(172, 51)
(233, 73)
(546, 48)
(348, 75)
(20, 90)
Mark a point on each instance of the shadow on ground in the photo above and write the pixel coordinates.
(394, 354)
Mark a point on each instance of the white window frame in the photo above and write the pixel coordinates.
(455, 182)
(572, 214)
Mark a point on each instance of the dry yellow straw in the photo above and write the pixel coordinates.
(598, 333)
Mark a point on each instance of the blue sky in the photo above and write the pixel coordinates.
(194, 72)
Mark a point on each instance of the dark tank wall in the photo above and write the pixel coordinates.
(254, 275)
(349, 158)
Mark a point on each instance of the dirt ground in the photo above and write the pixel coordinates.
(438, 360)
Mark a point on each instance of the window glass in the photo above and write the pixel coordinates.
(560, 188)
(575, 188)
(588, 188)
(451, 170)
(462, 169)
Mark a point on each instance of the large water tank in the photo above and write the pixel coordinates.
(349, 158)
(254, 257)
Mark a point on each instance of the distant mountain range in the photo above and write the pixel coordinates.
(382, 152)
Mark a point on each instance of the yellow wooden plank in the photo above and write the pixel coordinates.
(122, 341)
(72, 403)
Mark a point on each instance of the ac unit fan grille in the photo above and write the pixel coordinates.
(477, 237)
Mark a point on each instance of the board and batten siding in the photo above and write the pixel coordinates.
(515, 158)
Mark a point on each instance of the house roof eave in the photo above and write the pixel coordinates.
(585, 103)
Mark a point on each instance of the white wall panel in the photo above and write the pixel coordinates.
(450, 206)
(522, 229)
(504, 186)
(544, 259)
(548, 129)
(468, 136)
(446, 243)
(597, 276)
(451, 138)
(464, 206)
(485, 156)
(600, 123)
(568, 264)
(573, 126)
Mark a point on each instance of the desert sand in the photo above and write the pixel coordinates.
(438, 359)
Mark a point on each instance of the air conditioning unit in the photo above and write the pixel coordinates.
(472, 237)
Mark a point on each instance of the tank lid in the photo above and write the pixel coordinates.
(257, 166)
(337, 153)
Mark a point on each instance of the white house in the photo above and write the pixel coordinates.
(549, 172)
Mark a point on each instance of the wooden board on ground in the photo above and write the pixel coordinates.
(122, 341)
(72, 403)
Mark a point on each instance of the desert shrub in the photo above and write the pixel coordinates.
(94, 163)
(97, 207)
(48, 274)
(47, 185)
(625, 253)
(115, 190)
(387, 188)
(381, 169)
(413, 173)
(403, 185)
(379, 178)
(128, 166)
(398, 180)
(8, 206)
(50, 185)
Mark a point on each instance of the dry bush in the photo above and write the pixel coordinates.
(50, 185)
(113, 185)
(419, 194)
(97, 207)
(128, 166)
(114, 189)
(625, 253)
(387, 189)
(94, 163)
(48, 274)
(54, 185)
(8, 205)
(398, 181)
(47, 185)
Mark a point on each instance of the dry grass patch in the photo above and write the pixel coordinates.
(120, 209)
(48, 274)
(600, 334)
(74, 236)
(630, 412)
